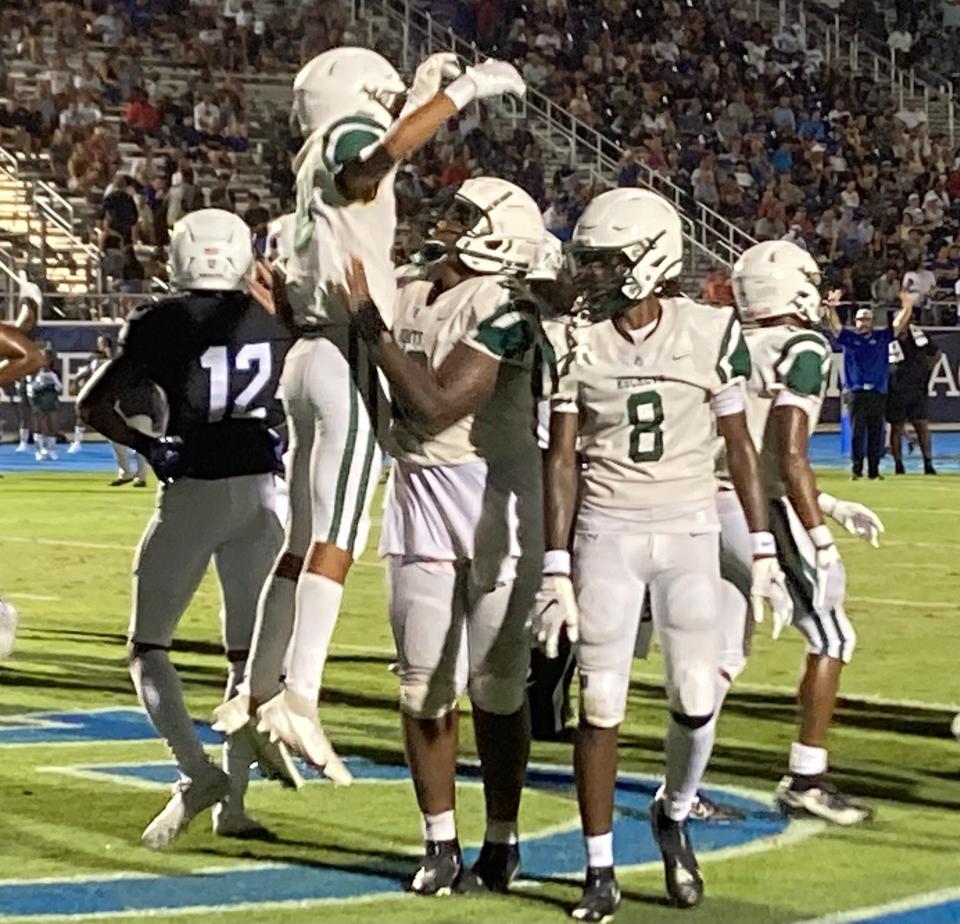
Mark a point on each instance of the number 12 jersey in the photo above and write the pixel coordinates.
(217, 358)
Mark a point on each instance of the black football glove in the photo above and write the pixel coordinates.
(165, 455)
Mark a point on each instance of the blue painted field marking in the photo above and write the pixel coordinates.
(939, 907)
(121, 724)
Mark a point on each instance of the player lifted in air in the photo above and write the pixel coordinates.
(347, 102)
(776, 286)
(19, 357)
(641, 397)
(216, 354)
(463, 526)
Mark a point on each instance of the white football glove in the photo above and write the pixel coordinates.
(490, 78)
(431, 74)
(767, 582)
(855, 518)
(30, 292)
(8, 628)
(554, 609)
(827, 555)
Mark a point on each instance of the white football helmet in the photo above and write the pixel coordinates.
(777, 278)
(280, 237)
(550, 261)
(210, 249)
(499, 227)
(644, 230)
(346, 81)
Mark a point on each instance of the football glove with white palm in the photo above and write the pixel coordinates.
(554, 612)
(767, 582)
(827, 555)
(855, 518)
(430, 75)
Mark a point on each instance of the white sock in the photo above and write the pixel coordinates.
(78, 434)
(688, 753)
(806, 760)
(50, 443)
(440, 827)
(271, 636)
(599, 849)
(24, 435)
(238, 752)
(318, 605)
(158, 687)
(501, 832)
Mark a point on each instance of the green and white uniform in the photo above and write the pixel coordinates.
(790, 368)
(646, 521)
(463, 522)
(334, 396)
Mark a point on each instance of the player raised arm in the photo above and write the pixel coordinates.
(903, 316)
(373, 156)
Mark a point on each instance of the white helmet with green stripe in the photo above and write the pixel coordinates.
(210, 249)
(775, 279)
(346, 81)
(501, 229)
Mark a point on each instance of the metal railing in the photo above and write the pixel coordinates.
(418, 34)
(82, 308)
(841, 40)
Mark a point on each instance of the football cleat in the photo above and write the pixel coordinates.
(439, 869)
(494, 870)
(928, 469)
(190, 797)
(680, 869)
(601, 896)
(121, 480)
(139, 482)
(705, 809)
(816, 797)
(23, 446)
(8, 628)
(273, 759)
(41, 455)
(292, 720)
(231, 716)
(74, 448)
(228, 822)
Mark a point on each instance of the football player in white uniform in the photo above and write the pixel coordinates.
(775, 284)
(640, 401)
(19, 357)
(347, 101)
(463, 526)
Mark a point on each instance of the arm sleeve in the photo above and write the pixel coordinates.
(733, 362)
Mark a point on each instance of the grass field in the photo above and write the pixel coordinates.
(65, 546)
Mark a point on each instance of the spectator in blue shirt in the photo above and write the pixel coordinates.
(866, 376)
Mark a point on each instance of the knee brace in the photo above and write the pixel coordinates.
(692, 691)
(496, 694)
(603, 698)
(428, 697)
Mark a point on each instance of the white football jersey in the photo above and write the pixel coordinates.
(484, 313)
(647, 432)
(329, 229)
(791, 361)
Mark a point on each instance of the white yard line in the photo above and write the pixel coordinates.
(914, 902)
(40, 597)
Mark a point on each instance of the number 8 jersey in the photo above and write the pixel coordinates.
(647, 433)
(217, 358)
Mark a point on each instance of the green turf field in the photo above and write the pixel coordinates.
(65, 546)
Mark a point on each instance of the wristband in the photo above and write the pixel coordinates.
(821, 536)
(461, 91)
(556, 561)
(763, 545)
(827, 503)
(369, 322)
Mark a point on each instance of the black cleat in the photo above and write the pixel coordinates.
(601, 896)
(682, 875)
(814, 796)
(496, 867)
(898, 468)
(439, 869)
(705, 809)
(928, 469)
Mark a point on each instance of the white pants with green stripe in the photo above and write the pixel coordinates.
(337, 412)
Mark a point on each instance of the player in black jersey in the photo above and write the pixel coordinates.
(912, 358)
(216, 354)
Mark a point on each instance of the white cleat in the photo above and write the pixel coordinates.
(230, 823)
(8, 628)
(190, 797)
(41, 455)
(23, 447)
(74, 448)
(231, 716)
(290, 719)
(273, 759)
